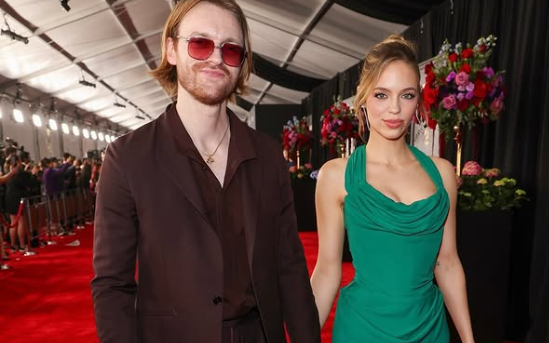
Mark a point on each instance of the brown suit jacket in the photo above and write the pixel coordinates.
(150, 214)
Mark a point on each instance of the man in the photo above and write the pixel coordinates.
(203, 203)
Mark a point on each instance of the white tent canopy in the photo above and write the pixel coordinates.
(114, 44)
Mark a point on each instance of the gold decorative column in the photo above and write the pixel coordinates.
(457, 139)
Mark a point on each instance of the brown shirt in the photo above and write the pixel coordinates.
(225, 212)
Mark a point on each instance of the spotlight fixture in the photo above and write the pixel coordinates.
(8, 32)
(15, 36)
(87, 83)
(65, 5)
(117, 104)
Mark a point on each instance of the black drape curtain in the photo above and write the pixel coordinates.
(321, 98)
(395, 11)
(348, 80)
(517, 143)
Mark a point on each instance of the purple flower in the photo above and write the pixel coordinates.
(469, 95)
(462, 79)
(314, 174)
(449, 102)
(460, 96)
(497, 105)
(451, 76)
(488, 71)
(470, 87)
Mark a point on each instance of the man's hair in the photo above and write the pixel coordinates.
(166, 73)
(393, 48)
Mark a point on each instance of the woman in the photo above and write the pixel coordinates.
(398, 206)
(17, 188)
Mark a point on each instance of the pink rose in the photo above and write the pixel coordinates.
(308, 166)
(497, 105)
(449, 102)
(462, 79)
(472, 168)
(293, 169)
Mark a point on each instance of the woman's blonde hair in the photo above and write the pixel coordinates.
(166, 73)
(393, 48)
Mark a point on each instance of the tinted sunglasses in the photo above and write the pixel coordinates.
(202, 48)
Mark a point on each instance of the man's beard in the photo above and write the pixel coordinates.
(208, 95)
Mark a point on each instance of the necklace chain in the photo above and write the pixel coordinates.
(209, 157)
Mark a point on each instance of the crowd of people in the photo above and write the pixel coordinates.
(23, 178)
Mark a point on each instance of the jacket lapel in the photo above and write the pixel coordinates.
(251, 186)
(178, 167)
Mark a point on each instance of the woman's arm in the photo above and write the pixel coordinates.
(448, 270)
(326, 277)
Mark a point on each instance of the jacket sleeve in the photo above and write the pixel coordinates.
(298, 303)
(114, 253)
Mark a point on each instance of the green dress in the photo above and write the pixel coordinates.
(392, 298)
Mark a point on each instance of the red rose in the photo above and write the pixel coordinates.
(453, 57)
(463, 104)
(429, 67)
(465, 68)
(429, 95)
(467, 53)
(482, 48)
(480, 89)
(432, 123)
(430, 77)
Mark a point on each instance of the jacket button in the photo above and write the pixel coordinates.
(217, 300)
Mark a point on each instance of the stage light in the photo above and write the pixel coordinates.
(75, 130)
(36, 120)
(87, 83)
(65, 128)
(86, 133)
(65, 5)
(94, 135)
(14, 36)
(52, 124)
(18, 116)
(101, 136)
(108, 138)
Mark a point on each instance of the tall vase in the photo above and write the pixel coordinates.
(457, 139)
(341, 151)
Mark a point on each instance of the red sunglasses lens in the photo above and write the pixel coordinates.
(232, 54)
(202, 49)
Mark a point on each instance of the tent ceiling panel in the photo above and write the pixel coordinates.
(114, 43)
(270, 42)
(19, 59)
(146, 17)
(95, 33)
(81, 93)
(140, 89)
(352, 30)
(47, 12)
(113, 61)
(290, 14)
(139, 73)
(321, 60)
(59, 80)
(288, 94)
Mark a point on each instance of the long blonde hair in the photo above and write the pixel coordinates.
(166, 73)
(393, 48)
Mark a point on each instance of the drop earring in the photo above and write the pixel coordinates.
(366, 117)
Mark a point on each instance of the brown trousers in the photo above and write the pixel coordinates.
(247, 329)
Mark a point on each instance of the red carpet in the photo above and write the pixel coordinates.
(46, 298)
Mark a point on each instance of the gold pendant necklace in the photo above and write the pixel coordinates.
(209, 157)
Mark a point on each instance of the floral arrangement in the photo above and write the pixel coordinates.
(461, 89)
(484, 189)
(338, 124)
(296, 136)
(301, 172)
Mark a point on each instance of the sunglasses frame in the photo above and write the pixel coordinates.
(220, 47)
